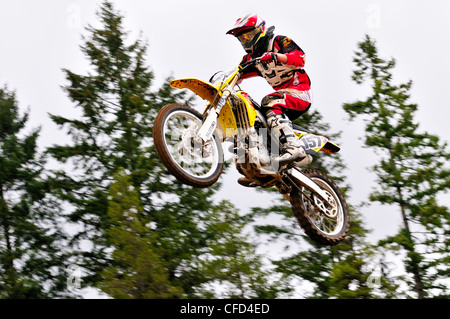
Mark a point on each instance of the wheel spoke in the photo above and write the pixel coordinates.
(327, 225)
(186, 151)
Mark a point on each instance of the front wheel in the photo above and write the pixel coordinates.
(182, 151)
(324, 225)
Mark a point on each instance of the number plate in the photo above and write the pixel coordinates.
(314, 142)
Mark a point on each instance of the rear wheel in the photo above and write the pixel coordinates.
(325, 225)
(183, 153)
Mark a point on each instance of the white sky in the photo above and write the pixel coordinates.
(187, 39)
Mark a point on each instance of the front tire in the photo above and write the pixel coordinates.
(324, 228)
(183, 153)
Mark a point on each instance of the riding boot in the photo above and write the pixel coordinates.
(281, 129)
(304, 162)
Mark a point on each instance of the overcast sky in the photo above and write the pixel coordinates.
(187, 39)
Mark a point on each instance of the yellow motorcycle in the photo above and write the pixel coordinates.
(189, 145)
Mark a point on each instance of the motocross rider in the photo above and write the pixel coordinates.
(282, 67)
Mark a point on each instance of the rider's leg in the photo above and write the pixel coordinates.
(281, 126)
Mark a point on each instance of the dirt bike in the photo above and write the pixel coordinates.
(189, 145)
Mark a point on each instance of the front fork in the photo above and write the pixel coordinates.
(210, 123)
(319, 199)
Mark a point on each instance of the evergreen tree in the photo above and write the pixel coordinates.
(115, 120)
(412, 170)
(136, 271)
(32, 259)
(231, 260)
(353, 269)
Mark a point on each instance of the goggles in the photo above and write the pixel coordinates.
(248, 37)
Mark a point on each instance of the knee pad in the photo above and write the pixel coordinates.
(272, 99)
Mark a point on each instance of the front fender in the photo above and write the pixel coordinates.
(203, 89)
(207, 92)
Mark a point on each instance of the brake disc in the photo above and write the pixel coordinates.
(191, 144)
(329, 211)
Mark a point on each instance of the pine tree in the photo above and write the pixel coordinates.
(412, 170)
(32, 257)
(354, 269)
(115, 119)
(136, 271)
(231, 260)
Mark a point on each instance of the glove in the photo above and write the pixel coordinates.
(268, 57)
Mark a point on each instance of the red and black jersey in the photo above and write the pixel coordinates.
(281, 76)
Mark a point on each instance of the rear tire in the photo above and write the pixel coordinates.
(318, 226)
(186, 156)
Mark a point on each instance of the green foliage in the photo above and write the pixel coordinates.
(342, 271)
(412, 169)
(114, 132)
(136, 271)
(231, 260)
(32, 263)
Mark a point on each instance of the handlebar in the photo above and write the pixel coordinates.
(250, 63)
(242, 68)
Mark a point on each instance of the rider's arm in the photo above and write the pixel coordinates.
(289, 52)
(282, 58)
(296, 58)
(250, 72)
(247, 75)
